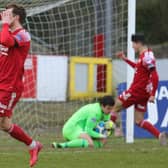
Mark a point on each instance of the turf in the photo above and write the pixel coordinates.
(143, 153)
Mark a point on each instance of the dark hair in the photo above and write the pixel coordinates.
(18, 10)
(139, 37)
(107, 100)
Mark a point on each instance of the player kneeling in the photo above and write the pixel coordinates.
(105, 129)
(83, 127)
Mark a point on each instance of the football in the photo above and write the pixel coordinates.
(105, 128)
(100, 128)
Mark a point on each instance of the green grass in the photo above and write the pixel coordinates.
(116, 154)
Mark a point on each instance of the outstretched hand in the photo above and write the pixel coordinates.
(152, 99)
(121, 55)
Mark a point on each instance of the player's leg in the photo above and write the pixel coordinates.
(19, 134)
(118, 106)
(14, 130)
(139, 119)
(84, 140)
(115, 117)
(76, 138)
(87, 137)
(123, 101)
(9, 100)
(141, 122)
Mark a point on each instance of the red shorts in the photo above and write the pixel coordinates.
(140, 101)
(7, 102)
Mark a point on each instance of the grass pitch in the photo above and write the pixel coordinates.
(144, 153)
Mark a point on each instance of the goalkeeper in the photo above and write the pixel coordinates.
(79, 129)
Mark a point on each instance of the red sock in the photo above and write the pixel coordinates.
(113, 116)
(149, 127)
(19, 134)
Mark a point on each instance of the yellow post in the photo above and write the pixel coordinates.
(91, 78)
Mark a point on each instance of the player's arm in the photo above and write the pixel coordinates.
(6, 38)
(154, 79)
(149, 63)
(123, 57)
(90, 125)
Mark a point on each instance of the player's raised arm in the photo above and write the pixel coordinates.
(6, 37)
(122, 56)
(150, 63)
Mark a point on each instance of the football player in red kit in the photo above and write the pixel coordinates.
(14, 47)
(143, 87)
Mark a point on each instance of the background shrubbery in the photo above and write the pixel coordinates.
(152, 20)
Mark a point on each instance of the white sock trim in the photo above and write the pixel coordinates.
(32, 145)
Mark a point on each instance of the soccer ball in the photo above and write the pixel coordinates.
(109, 125)
(100, 128)
(105, 128)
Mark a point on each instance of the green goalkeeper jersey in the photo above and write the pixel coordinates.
(87, 117)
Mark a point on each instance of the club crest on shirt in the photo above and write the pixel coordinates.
(94, 120)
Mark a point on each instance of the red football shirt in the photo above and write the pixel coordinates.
(142, 83)
(14, 47)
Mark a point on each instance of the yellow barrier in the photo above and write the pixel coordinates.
(90, 93)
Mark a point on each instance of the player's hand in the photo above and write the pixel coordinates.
(103, 136)
(121, 55)
(7, 16)
(152, 99)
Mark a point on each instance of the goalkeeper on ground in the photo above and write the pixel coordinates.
(79, 129)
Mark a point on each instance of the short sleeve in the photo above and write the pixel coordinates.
(22, 38)
(149, 60)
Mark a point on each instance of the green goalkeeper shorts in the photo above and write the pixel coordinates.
(72, 132)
